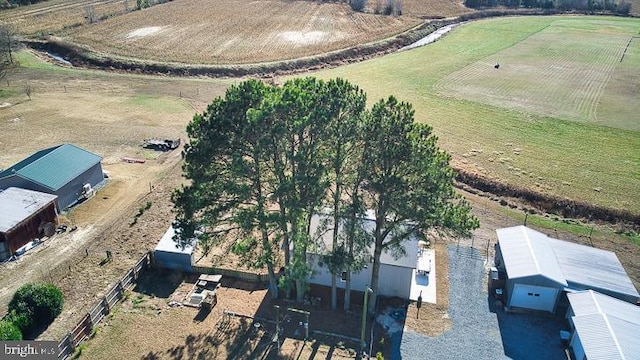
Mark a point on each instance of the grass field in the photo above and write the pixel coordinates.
(538, 127)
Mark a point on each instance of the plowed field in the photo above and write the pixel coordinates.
(236, 31)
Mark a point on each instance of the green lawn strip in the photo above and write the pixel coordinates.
(570, 226)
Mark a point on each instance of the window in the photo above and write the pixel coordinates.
(344, 276)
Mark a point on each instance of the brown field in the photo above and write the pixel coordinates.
(197, 32)
(52, 16)
(208, 32)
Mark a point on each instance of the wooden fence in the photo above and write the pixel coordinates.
(236, 274)
(102, 308)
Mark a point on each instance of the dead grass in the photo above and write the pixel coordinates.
(197, 32)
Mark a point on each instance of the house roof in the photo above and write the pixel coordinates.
(527, 252)
(167, 244)
(53, 167)
(607, 327)
(588, 267)
(321, 226)
(16, 205)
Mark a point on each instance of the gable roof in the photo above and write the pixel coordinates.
(54, 167)
(16, 205)
(607, 327)
(325, 240)
(527, 252)
(591, 268)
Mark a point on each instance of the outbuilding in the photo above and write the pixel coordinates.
(25, 215)
(540, 270)
(603, 327)
(67, 171)
(170, 255)
(396, 273)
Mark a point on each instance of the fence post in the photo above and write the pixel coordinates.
(72, 346)
(106, 305)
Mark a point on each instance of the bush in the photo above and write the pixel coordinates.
(9, 331)
(34, 306)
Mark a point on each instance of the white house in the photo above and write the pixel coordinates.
(395, 277)
(539, 269)
(603, 327)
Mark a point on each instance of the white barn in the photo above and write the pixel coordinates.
(539, 269)
(395, 277)
(603, 327)
(169, 255)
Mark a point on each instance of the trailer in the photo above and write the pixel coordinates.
(161, 144)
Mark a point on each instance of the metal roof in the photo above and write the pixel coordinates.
(16, 205)
(325, 239)
(592, 302)
(167, 244)
(607, 327)
(54, 167)
(588, 267)
(527, 252)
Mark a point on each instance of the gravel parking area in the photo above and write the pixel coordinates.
(481, 331)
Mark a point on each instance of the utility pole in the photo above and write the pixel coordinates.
(367, 290)
(277, 307)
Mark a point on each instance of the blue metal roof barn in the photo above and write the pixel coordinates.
(64, 170)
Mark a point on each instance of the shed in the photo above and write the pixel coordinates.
(25, 215)
(168, 254)
(539, 269)
(534, 278)
(66, 171)
(396, 274)
(603, 327)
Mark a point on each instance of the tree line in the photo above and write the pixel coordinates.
(264, 159)
(622, 7)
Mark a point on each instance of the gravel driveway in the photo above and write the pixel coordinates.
(477, 333)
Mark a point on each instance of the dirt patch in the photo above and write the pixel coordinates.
(146, 31)
(433, 319)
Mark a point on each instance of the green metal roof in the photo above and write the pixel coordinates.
(54, 167)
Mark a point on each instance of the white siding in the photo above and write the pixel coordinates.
(395, 281)
(576, 346)
(392, 281)
(533, 297)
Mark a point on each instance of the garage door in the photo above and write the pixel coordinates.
(533, 297)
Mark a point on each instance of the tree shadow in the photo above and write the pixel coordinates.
(158, 283)
(202, 314)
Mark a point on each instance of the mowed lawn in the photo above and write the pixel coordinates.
(560, 115)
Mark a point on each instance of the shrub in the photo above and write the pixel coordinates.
(35, 305)
(9, 331)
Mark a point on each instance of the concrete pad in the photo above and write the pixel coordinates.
(425, 283)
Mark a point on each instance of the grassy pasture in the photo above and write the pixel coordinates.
(562, 71)
(520, 145)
